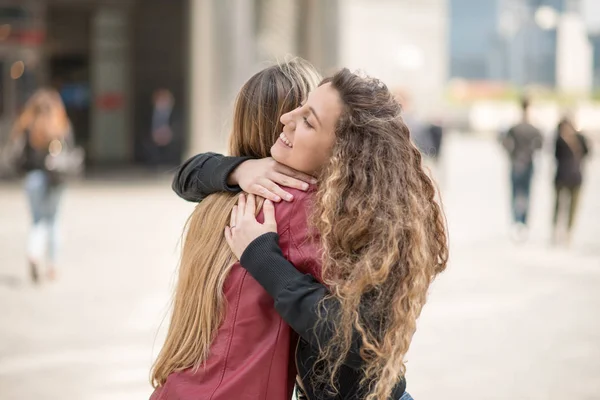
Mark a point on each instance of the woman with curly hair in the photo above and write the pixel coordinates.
(383, 237)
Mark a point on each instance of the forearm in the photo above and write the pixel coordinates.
(298, 297)
(205, 174)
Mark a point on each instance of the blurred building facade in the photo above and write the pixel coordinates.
(595, 41)
(473, 33)
(107, 57)
(518, 41)
(402, 42)
(574, 70)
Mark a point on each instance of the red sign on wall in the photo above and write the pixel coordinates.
(110, 101)
(29, 37)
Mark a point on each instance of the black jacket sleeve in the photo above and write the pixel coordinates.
(205, 174)
(298, 297)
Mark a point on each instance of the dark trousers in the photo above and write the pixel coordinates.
(521, 188)
(566, 197)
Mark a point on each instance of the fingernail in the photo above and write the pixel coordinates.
(289, 197)
(277, 198)
(267, 201)
(305, 186)
(313, 181)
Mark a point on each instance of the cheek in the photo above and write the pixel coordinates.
(314, 152)
(323, 154)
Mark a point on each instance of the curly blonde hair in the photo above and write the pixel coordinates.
(383, 234)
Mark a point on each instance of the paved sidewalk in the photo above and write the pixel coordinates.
(504, 322)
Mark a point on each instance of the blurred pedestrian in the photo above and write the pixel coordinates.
(44, 133)
(421, 131)
(436, 131)
(571, 148)
(427, 135)
(521, 142)
(162, 131)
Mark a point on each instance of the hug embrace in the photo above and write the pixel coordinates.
(308, 259)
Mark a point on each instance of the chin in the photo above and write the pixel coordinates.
(276, 153)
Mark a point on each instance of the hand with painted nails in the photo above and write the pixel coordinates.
(266, 177)
(244, 228)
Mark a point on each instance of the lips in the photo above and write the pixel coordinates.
(285, 140)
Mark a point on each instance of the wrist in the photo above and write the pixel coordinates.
(232, 178)
(228, 174)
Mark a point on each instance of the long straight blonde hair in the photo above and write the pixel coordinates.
(44, 117)
(199, 303)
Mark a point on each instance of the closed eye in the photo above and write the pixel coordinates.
(308, 125)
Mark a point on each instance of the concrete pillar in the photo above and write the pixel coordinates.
(319, 33)
(574, 58)
(201, 124)
(110, 125)
(277, 40)
(222, 57)
(403, 43)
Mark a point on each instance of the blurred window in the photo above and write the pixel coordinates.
(15, 15)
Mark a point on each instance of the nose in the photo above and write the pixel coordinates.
(286, 118)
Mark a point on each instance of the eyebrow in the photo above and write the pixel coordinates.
(315, 114)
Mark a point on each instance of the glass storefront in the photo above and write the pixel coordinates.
(102, 57)
(22, 35)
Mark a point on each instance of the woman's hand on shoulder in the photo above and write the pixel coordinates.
(244, 228)
(265, 177)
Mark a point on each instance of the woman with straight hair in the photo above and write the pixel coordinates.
(381, 232)
(44, 129)
(225, 339)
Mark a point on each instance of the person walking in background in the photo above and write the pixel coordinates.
(45, 131)
(421, 132)
(162, 134)
(436, 131)
(570, 150)
(521, 142)
(426, 134)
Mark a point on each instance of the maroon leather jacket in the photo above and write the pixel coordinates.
(252, 356)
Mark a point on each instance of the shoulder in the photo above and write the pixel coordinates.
(299, 207)
(527, 128)
(535, 129)
(519, 127)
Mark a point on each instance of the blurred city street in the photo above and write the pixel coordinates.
(505, 321)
